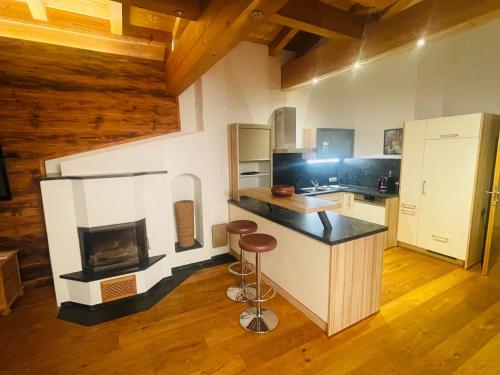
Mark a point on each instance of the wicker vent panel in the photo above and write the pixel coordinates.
(118, 288)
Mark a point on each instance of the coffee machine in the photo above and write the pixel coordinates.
(387, 184)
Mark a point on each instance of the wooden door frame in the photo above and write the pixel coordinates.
(492, 211)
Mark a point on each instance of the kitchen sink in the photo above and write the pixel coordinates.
(320, 189)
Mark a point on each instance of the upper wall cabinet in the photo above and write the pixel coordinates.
(467, 126)
(329, 143)
(254, 142)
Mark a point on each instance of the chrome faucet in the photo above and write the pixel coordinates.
(315, 184)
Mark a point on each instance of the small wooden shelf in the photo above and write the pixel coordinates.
(254, 160)
(255, 175)
(10, 281)
(249, 151)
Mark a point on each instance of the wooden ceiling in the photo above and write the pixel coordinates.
(326, 36)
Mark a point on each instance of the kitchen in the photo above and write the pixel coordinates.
(378, 258)
(364, 189)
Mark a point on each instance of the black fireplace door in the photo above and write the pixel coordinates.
(113, 246)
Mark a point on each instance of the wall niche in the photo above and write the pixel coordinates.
(188, 187)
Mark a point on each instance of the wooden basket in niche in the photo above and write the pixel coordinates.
(184, 219)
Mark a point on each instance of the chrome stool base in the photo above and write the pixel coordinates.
(267, 321)
(236, 293)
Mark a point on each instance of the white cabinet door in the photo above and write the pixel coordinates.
(369, 212)
(411, 180)
(454, 127)
(447, 192)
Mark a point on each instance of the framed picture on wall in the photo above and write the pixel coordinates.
(393, 141)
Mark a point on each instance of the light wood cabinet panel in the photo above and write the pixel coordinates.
(466, 126)
(446, 196)
(349, 204)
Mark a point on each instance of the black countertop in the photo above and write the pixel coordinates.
(353, 189)
(344, 228)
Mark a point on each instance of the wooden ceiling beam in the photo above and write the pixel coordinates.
(100, 42)
(221, 26)
(281, 40)
(190, 9)
(320, 19)
(154, 35)
(38, 9)
(398, 7)
(115, 17)
(429, 18)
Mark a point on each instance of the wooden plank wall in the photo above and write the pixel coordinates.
(56, 101)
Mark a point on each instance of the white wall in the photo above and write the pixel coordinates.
(450, 76)
(242, 87)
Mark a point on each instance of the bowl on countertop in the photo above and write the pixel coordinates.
(282, 190)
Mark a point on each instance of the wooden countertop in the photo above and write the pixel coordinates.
(298, 203)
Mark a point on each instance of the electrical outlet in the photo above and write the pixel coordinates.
(332, 179)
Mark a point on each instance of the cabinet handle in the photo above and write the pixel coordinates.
(411, 206)
(452, 135)
(439, 238)
(423, 186)
(406, 212)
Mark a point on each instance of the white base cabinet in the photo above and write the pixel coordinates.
(369, 212)
(382, 213)
(446, 166)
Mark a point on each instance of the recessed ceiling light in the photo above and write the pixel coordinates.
(421, 42)
(357, 65)
(315, 80)
(257, 15)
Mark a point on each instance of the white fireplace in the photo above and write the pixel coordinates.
(103, 227)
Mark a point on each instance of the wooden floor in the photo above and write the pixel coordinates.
(436, 319)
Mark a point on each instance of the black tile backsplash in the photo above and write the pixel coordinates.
(365, 172)
(291, 169)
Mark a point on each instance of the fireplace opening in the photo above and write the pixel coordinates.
(113, 246)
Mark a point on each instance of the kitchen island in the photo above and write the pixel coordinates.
(334, 276)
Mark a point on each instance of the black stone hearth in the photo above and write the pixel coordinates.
(91, 315)
(179, 249)
(86, 277)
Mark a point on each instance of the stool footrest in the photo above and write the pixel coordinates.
(268, 293)
(235, 269)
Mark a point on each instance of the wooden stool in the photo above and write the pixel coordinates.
(241, 268)
(10, 281)
(257, 319)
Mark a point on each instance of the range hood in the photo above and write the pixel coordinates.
(285, 131)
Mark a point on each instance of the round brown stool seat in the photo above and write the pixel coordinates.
(242, 227)
(258, 319)
(240, 268)
(258, 243)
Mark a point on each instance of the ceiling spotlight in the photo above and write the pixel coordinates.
(257, 15)
(179, 13)
(357, 65)
(315, 80)
(421, 42)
